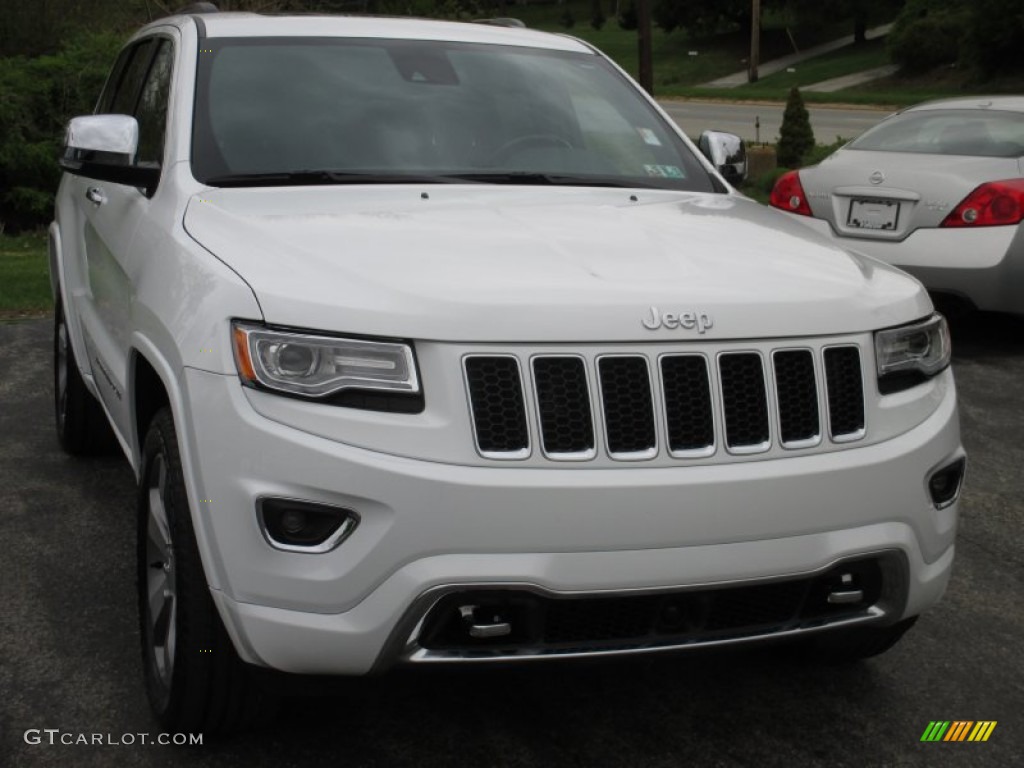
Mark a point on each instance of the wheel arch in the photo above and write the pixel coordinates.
(54, 254)
(61, 294)
(149, 395)
(153, 384)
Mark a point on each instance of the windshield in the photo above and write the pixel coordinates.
(315, 110)
(981, 132)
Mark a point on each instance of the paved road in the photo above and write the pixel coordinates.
(69, 659)
(827, 122)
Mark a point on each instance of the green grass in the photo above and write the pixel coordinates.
(680, 75)
(674, 67)
(24, 274)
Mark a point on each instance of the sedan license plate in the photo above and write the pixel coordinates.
(881, 215)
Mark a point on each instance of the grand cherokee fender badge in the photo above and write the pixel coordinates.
(688, 321)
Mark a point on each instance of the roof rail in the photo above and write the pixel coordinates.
(198, 8)
(502, 21)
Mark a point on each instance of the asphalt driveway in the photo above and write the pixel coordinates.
(69, 655)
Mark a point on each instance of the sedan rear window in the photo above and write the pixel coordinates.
(980, 132)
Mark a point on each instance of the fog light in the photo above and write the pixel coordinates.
(302, 526)
(944, 485)
(293, 521)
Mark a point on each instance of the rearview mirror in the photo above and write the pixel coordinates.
(727, 152)
(103, 147)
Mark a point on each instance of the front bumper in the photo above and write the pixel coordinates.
(428, 526)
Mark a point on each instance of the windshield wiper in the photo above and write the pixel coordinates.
(324, 177)
(310, 177)
(549, 179)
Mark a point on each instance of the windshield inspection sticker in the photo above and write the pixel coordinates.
(649, 137)
(665, 171)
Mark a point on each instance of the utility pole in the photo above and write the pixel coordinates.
(643, 33)
(755, 40)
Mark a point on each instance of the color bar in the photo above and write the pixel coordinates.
(935, 730)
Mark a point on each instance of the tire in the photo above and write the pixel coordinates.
(857, 643)
(82, 427)
(195, 681)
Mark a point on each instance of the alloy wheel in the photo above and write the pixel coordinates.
(161, 590)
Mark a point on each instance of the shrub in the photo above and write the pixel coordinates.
(995, 38)
(927, 34)
(39, 96)
(795, 136)
(760, 187)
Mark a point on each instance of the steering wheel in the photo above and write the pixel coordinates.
(521, 143)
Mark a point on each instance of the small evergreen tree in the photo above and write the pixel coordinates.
(796, 138)
(568, 20)
(597, 17)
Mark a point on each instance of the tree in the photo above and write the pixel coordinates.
(38, 96)
(701, 17)
(796, 138)
(627, 15)
(597, 17)
(995, 37)
(928, 33)
(862, 13)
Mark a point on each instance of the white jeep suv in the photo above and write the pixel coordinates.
(435, 342)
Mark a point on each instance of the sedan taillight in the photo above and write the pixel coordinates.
(992, 204)
(788, 194)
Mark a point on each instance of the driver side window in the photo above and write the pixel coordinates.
(151, 111)
(126, 92)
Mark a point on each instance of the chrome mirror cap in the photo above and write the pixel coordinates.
(727, 152)
(113, 134)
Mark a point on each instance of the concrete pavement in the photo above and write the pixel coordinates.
(849, 81)
(777, 65)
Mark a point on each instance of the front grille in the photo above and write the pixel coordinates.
(745, 400)
(689, 419)
(797, 390)
(628, 405)
(845, 392)
(496, 402)
(684, 405)
(563, 405)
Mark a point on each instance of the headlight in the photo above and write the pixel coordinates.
(911, 353)
(317, 366)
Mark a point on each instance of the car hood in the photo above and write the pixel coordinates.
(475, 263)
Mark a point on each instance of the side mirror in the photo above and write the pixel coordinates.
(103, 147)
(727, 152)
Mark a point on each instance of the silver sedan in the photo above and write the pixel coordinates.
(936, 189)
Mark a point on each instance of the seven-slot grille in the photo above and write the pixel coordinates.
(687, 404)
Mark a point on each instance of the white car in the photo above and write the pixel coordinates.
(440, 343)
(937, 190)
